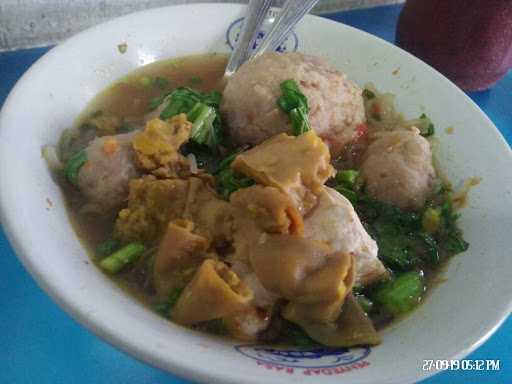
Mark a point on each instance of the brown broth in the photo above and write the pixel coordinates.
(128, 98)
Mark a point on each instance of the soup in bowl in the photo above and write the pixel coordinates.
(287, 221)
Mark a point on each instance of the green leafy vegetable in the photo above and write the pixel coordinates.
(161, 82)
(206, 158)
(449, 235)
(73, 166)
(125, 128)
(295, 104)
(364, 302)
(368, 95)
(146, 81)
(296, 335)
(155, 102)
(431, 249)
(426, 126)
(347, 177)
(202, 110)
(165, 307)
(107, 247)
(195, 80)
(407, 240)
(216, 327)
(122, 257)
(431, 220)
(346, 184)
(204, 130)
(227, 180)
(183, 99)
(96, 114)
(347, 192)
(402, 294)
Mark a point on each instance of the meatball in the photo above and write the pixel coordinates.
(250, 108)
(397, 168)
(335, 222)
(104, 178)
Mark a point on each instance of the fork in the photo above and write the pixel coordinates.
(256, 12)
(291, 13)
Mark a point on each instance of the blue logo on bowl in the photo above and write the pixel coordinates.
(319, 357)
(290, 44)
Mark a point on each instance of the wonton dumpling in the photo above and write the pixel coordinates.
(152, 203)
(257, 210)
(353, 327)
(178, 250)
(334, 221)
(282, 263)
(301, 270)
(262, 297)
(312, 306)
(296, 165)
(214, 292)
(157, 147)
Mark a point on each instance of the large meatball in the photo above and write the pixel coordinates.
(249, 104)
(397, 168)
(104, 178)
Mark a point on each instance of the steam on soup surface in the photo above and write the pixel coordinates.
(286, 204)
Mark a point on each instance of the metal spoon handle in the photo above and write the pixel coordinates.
(291, 13)
(256, 12)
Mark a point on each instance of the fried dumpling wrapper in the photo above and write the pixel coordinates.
(299, 269)
(352, 328)
(296, 165)
(258, 210)
(157, 147)
(153, 202)
(313, 307)
(214, 292)
(179, 251)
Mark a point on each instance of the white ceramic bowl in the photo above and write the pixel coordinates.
(457, 317)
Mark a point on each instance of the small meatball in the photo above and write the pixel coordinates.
(397, 168)
(335, 222)
(249, 100)
(104, 178)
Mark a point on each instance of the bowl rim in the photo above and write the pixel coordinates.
(97, 325)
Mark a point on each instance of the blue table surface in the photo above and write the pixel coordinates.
(42, 344)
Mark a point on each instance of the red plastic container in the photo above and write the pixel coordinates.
(469, 41)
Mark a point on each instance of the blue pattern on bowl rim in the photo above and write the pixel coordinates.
(313, 357)
(290, 44)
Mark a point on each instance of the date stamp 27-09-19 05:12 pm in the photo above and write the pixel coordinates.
(461, 365)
